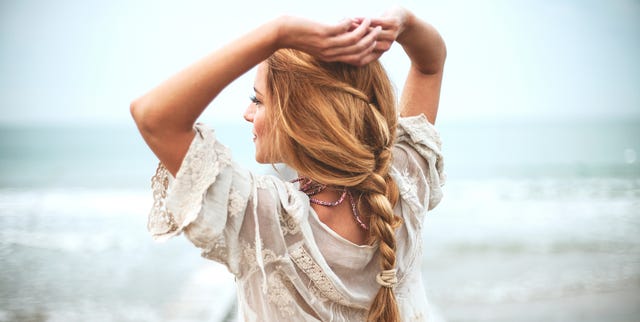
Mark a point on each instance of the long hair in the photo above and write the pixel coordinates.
(336, 123)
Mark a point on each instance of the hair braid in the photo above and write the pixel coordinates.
(382, 224)
(336, 123)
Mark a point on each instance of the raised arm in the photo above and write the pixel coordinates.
(165, 116)
(427, 52)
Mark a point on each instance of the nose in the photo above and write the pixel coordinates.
(249, 112)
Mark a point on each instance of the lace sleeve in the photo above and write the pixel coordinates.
(420, 170)
(204, 200)
(177, 201)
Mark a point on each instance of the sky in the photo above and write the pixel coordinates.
(73, 61)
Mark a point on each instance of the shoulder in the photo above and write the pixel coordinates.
(418, 163)
(275, 197)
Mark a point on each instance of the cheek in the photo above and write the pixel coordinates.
(260, 123)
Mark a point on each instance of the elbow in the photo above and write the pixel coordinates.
(438, 57)
(152, 120)
(437, 64)
(434, 64)
(135, 110)
(140, 115)
(443, 50)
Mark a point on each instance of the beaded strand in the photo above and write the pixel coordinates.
(312, 188)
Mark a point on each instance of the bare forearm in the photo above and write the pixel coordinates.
(165, 116)
(426, 51)
(423, 44)
(175, 104)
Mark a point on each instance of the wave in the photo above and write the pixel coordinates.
(43, 202)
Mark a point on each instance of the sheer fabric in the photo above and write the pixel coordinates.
(289, 266)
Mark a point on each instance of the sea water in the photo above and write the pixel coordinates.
(540, 221)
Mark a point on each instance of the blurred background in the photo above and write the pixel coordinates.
(539, 117)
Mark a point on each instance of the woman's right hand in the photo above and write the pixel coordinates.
(425, 48)
(350, 41)
(393, 22)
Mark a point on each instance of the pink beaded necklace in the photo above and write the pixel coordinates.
(312, 188)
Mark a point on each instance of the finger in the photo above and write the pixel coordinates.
(384, 22)
(360, 46)
(351, 37)
(383, 46)
(386, 35)
(358, 20)
(360, 58)
(340, 28)
(353, 26)
(369, 58)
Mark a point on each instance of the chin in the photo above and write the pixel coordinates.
(261, 159)
(266, 159)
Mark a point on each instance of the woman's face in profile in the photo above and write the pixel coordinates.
(256, 113)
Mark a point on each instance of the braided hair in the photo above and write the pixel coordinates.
(336, 123)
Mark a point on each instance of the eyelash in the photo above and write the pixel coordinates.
(255, 100)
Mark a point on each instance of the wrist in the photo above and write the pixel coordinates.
(408, 25)
(279, 32)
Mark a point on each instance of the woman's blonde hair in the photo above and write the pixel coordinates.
(336, 123)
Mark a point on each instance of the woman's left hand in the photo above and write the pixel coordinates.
(350, 41)
(391, 25)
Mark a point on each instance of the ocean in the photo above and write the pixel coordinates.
(540, 221)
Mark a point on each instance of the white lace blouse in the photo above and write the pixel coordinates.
(289, 266)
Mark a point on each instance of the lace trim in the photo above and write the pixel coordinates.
(250, 261)
(218, 251)
(322, 285)
(178, 202)
(288, 223)
(279, 293)
(262, 182)
(409, 183)
(289, 217)
(424, 138)
(421, 131)
(160, 219)
(236, 203)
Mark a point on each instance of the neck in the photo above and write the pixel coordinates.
(317, 193)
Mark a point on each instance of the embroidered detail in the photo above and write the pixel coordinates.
(249, 257)
(425, 140)
(217, 251)
(408, 193)
(279, 293)
(198, 171)
(317, 293)
(262, 182)
(160, 219)
(323, 286)
(292, 207)
(236, 203)
(289, 224)
(177, 203)
(409, 183)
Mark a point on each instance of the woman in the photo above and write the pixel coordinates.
(342, 242)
